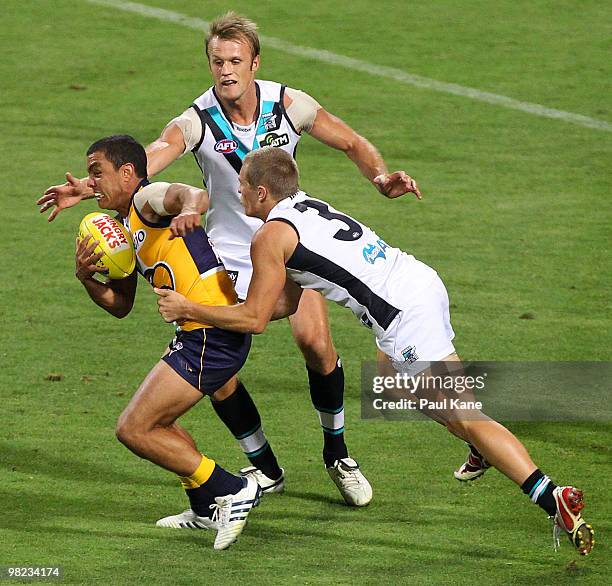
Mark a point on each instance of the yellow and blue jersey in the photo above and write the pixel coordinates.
(187, 265)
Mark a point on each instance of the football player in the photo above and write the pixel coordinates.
(236, 115)
(402, 300)
(173, 250)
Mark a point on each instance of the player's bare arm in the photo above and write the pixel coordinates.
(185, 202)
(272, 246)
(169, 147)
(65, 195)
(333, 132)
(160, 154)
(116, 296)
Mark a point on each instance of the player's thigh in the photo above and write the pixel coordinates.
(311, 319)
(162, 398)
(310, 329)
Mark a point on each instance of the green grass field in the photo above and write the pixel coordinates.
(516, 219)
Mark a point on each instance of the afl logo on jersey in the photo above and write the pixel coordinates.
(226, 146)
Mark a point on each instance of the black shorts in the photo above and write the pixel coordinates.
(207, 358)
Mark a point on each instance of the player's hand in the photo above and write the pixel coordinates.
(64, 196)
(184, 223)
(86, 259)
(172, 305)
(396, 184)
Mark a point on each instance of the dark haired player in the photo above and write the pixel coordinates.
(172, 250)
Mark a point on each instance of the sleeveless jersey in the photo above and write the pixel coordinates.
(348, 263)
(220, 152)
(187, 265)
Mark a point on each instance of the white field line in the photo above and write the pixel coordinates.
(369, 68)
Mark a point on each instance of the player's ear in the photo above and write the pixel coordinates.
(255, 63)
(262, 193)
(127, 170)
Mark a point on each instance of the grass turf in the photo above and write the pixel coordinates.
(515, 220)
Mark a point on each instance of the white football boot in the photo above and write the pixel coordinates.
(267, 484)
(351, 483)
(474, 467)
(231, 511)
(187, 520)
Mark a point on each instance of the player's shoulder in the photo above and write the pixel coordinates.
(270, 90)
(205, 100)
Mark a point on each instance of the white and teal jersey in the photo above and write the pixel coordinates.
(349, 263)
(219, 153)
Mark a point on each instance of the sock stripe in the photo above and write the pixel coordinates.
(331, 421)
(540, 488)
(257, 452)
(535, 486)
(332, 411)
(248, 433)
(253, 442)
(333, 431)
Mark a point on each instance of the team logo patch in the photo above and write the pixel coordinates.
(160, 275)
(410, 354)
(270, 121)
(226, 146)
(274, 140)
(371, 252)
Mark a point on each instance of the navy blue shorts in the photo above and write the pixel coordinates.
(207, 358)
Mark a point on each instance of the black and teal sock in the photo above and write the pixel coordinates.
(539, 488)
(241, 417)
(327, 395)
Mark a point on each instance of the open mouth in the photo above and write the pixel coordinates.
(98, 195)
(228, 82)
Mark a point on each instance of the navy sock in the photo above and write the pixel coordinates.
(220, 483)
(200, 500)
(539, 488)
(241, 417)
(327, 395)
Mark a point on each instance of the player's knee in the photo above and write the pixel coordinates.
(127, 432)
(318, 350)
(459, 427)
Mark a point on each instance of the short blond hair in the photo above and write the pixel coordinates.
(273, 168)
(233, 27)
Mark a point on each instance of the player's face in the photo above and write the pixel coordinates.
(248, 195)
(105, 181)
(232, 66)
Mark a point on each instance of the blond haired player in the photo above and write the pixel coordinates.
(235, 116)
(400, 299)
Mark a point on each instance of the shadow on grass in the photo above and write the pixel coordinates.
(45, 462)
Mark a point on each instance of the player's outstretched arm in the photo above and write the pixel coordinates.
(115, 296)
(333, 132)
(162, 152)
(272, 245)
(66, 195)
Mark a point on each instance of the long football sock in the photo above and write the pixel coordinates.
(207, 482)
(539, 488)
(327, 395)
(241, 417)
